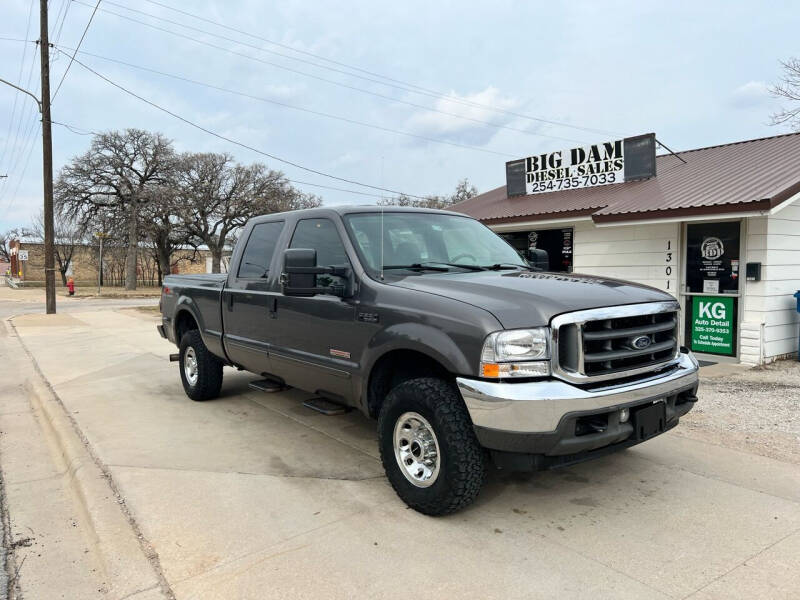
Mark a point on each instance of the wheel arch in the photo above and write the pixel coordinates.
(396, 366)
(185, 320)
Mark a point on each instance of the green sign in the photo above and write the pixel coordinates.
(712, 324)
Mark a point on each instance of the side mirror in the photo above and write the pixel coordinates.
(539, 259)
(300, 270)
(297, 264)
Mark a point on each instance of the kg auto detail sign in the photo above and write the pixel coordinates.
(712, 328)
(614, 161)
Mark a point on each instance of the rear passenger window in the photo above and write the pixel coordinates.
(259, 250)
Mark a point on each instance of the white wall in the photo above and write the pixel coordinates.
(774, 241)
(641, 253)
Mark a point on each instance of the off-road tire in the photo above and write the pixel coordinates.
(463, 463)
(209, 368)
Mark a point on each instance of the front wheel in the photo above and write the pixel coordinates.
(201, 371)
(428, 447)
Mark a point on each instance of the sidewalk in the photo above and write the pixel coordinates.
(254, 496)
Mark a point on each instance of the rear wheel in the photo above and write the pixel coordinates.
(428, 447)
(201, 371)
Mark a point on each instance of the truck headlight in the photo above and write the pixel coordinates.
(516, 353)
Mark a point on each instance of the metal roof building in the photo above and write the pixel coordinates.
(717, 227)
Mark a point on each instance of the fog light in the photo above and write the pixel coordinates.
(623, 415)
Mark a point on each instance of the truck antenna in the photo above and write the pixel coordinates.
(381, 242)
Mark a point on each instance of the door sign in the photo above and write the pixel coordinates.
(712, 327)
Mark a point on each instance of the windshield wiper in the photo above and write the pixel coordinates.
(458, 265)
(417, 267)
(501, 266)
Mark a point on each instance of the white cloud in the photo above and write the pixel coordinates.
(750, 95)
(463, 130)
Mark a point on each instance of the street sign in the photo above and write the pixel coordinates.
(22, 255)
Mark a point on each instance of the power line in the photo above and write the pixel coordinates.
(13, 197)
(19, 82)
(68, 3)
(280, 45)
(83, 35)
(32, 141)
(338, 189)
(54, 23)
(406, 87)
(75, 129)
(236, 142)
(331, 81)
(292, 106)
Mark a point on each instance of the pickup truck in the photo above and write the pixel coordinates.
(432, 324)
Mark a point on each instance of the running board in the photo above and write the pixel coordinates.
(326, 407)
(267, 385)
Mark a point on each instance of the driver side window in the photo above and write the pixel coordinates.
(322, 236)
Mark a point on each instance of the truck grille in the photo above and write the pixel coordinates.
(609, 343)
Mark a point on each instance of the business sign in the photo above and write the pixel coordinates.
(712, 327)
(614, 161)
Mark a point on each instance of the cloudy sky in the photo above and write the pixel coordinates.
(410, 96)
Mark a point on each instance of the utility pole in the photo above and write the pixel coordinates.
(101, 235)
(47, 163)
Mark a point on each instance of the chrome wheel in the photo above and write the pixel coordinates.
(190, 366)
(416, 449)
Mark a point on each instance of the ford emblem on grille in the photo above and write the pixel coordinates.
(641, 342)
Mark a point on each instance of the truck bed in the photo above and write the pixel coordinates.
(206, 280)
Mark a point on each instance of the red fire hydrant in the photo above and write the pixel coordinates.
(71, 286)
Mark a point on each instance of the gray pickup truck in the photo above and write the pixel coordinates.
(430, 323)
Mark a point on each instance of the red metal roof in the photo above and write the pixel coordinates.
(743, 176)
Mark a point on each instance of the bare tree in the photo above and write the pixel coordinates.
(464, 191)
(163, 228)
(5, 240)
(120, 171)
(68, 235)
(217, 197)
(789, 89)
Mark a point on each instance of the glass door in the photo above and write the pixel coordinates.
(712, 287)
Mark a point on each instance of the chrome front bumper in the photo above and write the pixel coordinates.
(539, 406)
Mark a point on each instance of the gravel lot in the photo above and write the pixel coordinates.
(756, 410)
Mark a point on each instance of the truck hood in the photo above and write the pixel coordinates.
(529, 299)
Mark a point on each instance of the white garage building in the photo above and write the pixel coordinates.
(717, 227)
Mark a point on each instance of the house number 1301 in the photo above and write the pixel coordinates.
(668, 269)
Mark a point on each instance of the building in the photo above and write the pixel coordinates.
(717, 227)
(82, 264)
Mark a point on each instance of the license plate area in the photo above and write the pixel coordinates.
(649, 421)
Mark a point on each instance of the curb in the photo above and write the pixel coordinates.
(130, 564)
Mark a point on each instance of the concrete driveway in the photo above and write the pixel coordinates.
(254, 496)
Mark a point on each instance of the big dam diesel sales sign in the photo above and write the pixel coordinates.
(585, 166)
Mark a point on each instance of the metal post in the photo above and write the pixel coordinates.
(47, 163)
(100, 274)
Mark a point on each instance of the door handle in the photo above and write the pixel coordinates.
(273, 307)
(230, 301)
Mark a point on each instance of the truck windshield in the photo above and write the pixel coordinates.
(412, 240)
